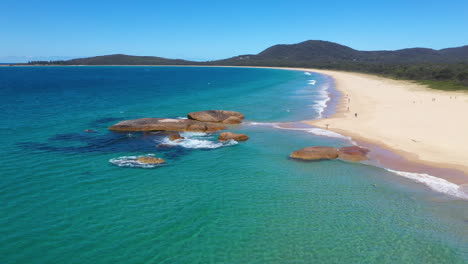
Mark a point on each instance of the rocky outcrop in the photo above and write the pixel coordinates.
(175, 136)
(232, 120)
(353, 153)
(217, 116)
(228, 135)
(315, 153)
(166, 124)
(150, 160)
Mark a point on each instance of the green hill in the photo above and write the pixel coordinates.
(441, 69)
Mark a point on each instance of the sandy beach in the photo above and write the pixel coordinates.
(423, 125)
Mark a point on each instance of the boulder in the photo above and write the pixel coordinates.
(315, 153)
(150, 160)
(217, 116)
(166, 124)
(175, 136)
(232, 120)
(353, 153)
(228, 135)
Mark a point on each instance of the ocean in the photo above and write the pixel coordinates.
(67, 196)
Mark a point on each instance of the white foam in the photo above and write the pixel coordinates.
(193, 143)
(307, 73)
(319, 132)
(313, 82)
(312, 130)
(322, 99)
(132, 162)
(181, 117)
(436, 184)
(193, 134)
(197, 140)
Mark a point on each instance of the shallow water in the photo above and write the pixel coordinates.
(62, 201)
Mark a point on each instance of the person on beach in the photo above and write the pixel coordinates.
(327, 126)
(355, 115)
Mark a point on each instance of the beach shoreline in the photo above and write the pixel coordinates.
(375, 126)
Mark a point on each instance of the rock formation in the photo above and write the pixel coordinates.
(217, 116)
(166, 124)
(353, 153)
(150, 160)
(175, 136)
(315, 153)
(228, 135)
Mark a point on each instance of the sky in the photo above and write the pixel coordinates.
(208, 30)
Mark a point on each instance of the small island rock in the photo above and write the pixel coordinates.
(315, 153)
(353, 153)
(228, 135)
(165, 124)
(217, 116)
(150, 160)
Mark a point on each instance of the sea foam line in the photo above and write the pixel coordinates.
(436, 184)
(323, 98)
(198, 143)
(312, 130)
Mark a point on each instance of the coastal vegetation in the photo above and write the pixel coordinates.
(445, 69)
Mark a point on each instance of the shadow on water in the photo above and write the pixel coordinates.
(97, 139)
(107, 142)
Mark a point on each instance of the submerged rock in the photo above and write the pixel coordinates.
(217, 116)
(166, 124)
(315, 153)
(228, 135)
(353, 153)
(150, 160)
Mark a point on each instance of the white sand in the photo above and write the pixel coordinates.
(402, 116)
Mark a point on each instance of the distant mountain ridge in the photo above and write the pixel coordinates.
(319, 52)
(311, 52)
(121, 59)
(442, 69)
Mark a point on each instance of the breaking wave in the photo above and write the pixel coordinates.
(197, 140)
(322, 100)
(436, 184)
(312, 130)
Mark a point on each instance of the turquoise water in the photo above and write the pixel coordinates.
(62, 201)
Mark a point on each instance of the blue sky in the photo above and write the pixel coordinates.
(204, 30)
